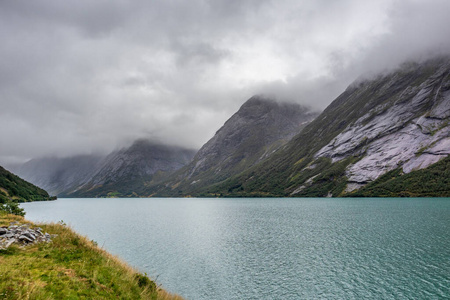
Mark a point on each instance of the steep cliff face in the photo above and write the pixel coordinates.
(259, 127)
(408, 130)
(395, 121)
(257, 130)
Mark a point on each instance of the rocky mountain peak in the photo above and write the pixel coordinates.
(259, 122)
(260, 127)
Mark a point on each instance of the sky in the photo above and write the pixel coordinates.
(84, 77)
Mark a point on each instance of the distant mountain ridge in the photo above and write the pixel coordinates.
(116, 174)
(58, 175)
(126, 172)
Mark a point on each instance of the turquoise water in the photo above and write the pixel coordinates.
(273, 248)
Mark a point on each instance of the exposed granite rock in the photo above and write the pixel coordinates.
(412, 131)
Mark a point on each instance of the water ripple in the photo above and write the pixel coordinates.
(273, 248)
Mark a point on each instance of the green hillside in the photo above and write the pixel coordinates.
(13, 187)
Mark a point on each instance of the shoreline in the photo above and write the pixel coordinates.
(68, 266)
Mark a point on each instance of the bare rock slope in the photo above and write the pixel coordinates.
(397, 121)
(409, 131)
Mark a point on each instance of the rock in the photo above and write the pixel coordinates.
(9, 243)
(22, 234)
(407, 134)
(25, 238)
(3, 231)
(29, 235)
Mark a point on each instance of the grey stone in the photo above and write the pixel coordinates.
(22, 233)
(9, 243)
(3, 231)
(403, 134)
(25, 238)
(29, 235)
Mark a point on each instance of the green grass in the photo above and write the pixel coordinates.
(69, 267)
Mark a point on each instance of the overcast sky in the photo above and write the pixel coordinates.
(83, 76)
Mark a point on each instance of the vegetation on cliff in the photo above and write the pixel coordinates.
(433, 181)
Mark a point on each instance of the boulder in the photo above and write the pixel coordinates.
(29, 235)
(24, 238)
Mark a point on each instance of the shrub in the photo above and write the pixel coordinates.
(11, 207)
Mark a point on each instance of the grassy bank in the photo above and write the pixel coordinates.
(69, 267)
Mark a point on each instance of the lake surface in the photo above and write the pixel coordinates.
(273, 248)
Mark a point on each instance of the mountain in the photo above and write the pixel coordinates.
(57, 175)
(260, 127)
(12, 187)
(384, 136)
(377, 131)
(126, 172)
(121, 173)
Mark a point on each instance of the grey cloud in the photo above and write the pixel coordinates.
(89, 76)
(198, 53)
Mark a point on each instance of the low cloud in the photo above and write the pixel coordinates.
(83, 76)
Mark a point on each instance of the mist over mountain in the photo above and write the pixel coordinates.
(56, 174)
(388, 126)
(374, 133)
(82, 77)
(128, 171)
(15, 189)
(259, 128)
(114, 173)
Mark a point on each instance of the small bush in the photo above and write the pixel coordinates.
(11, 207)
(144, 281)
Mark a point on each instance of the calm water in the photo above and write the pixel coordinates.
(273, 248)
